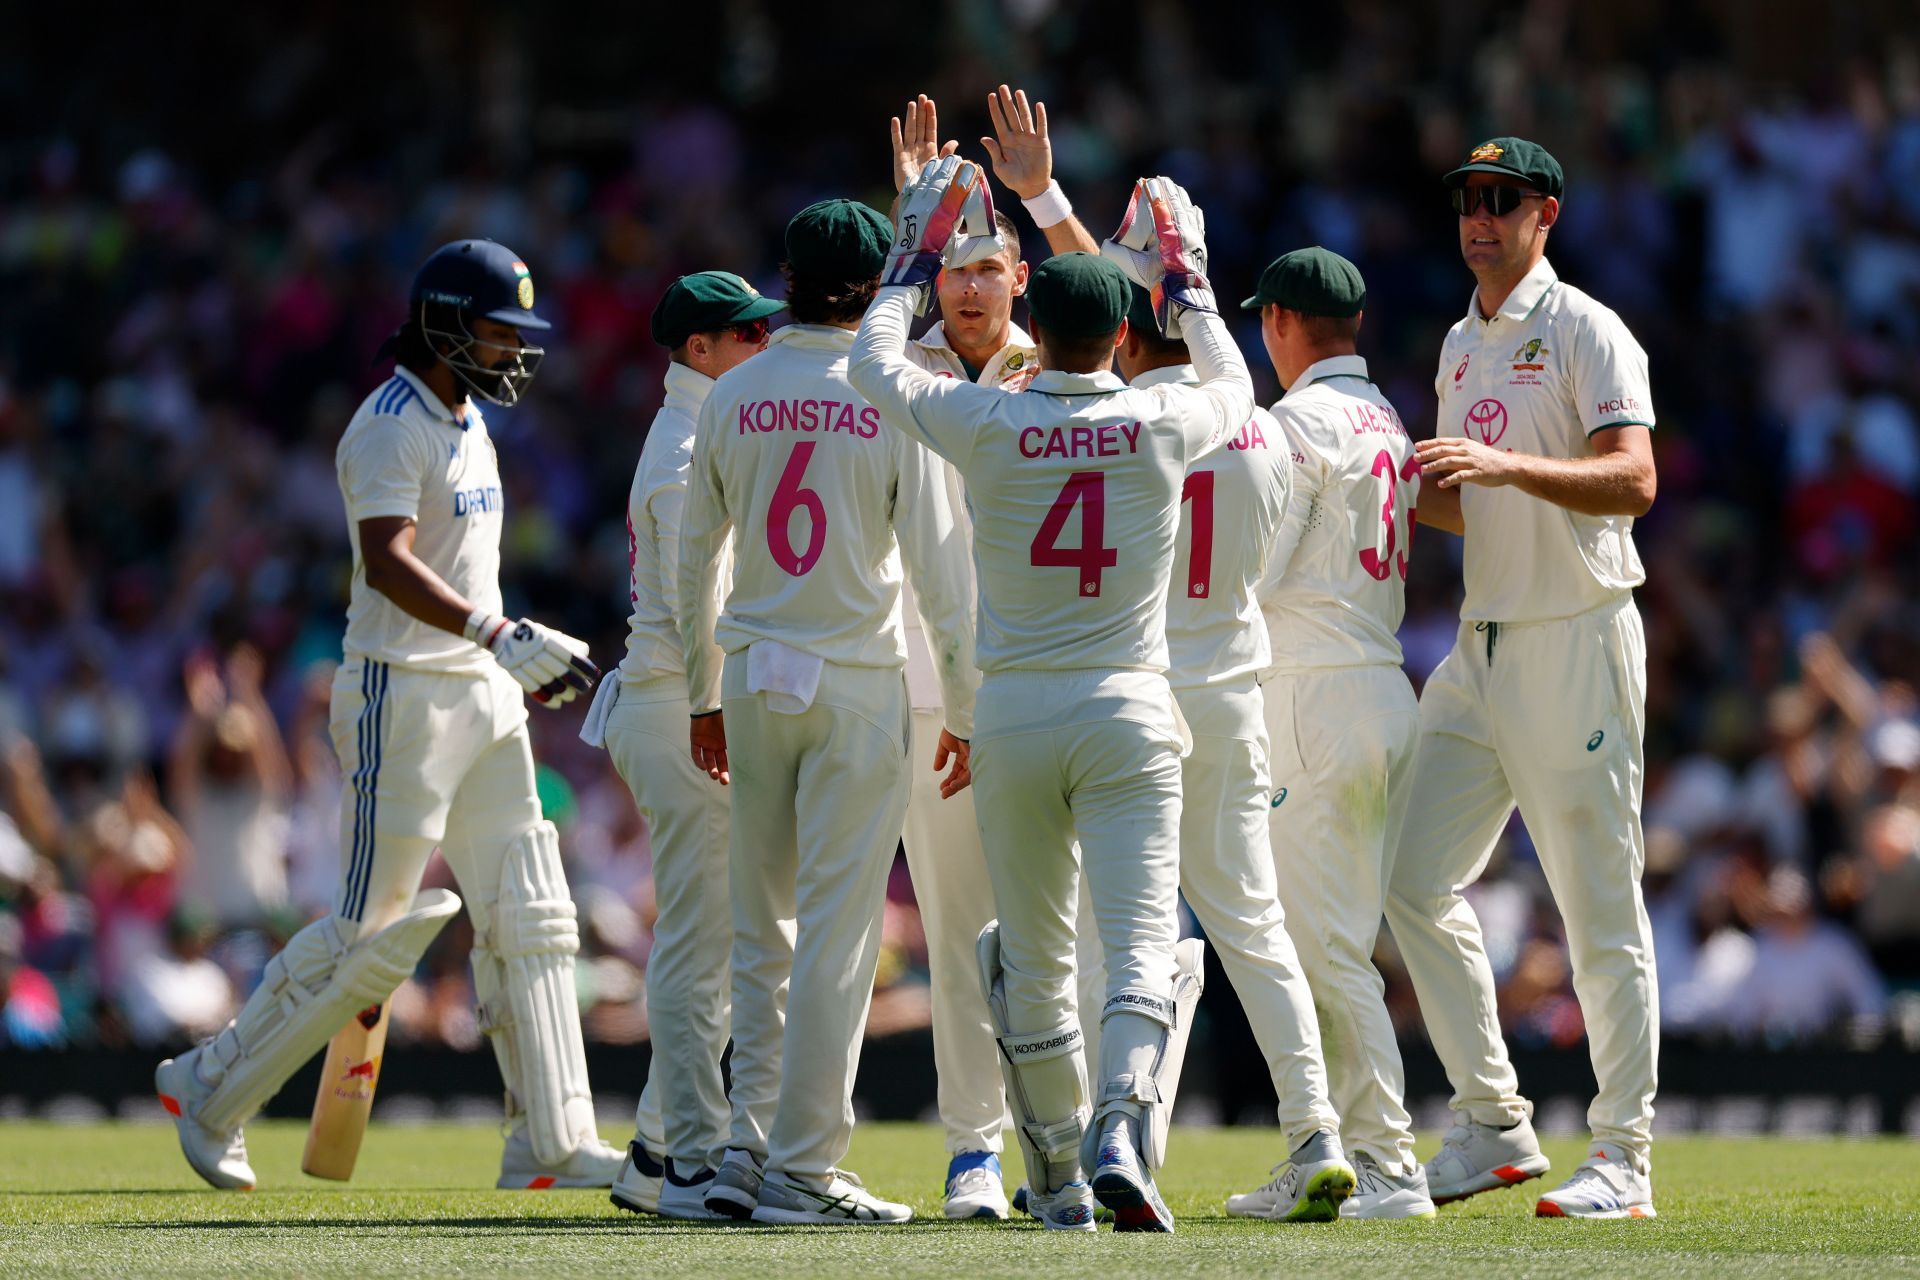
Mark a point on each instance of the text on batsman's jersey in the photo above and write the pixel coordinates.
(1073, 486)
(1547, 371)
(1337, 585)
(1230, 509)
(406, 454)
(794, 462)
(655, 506)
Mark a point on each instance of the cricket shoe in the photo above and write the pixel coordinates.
(1023, 1203)
(637, 1189)
(973, 1186)
(592, 1164)
(1379, 1194)
(685, 1194)
(1123, 1185)
(1481, 1157)
(1070, 1208)
(786, 1201)
(735, 1189)
(219, 1158)
(1308, 1186)
(1604, 1186)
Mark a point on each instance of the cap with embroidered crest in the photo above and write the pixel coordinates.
(1513, 158)
(1077, 295)
(705, 301)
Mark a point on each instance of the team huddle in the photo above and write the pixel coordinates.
(1073, 619)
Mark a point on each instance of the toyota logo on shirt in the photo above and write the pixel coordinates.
(1488, 420)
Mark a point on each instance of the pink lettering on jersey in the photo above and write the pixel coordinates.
(1367, 418)
(1461, 372)
(810, 415)
(1622, 404)
(869, 422)
(1079, 442)
(845, 421)
(1250, 437)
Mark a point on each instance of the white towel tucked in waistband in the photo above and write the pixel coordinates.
(788, 676)
(593, 731)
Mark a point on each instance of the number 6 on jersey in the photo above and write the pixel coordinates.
(788, 495)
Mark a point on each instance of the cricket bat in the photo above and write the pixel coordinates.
(347, 1082)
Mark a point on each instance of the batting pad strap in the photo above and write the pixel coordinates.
(1133, 1087)
(1050, 208)
(1042, 1045)
(1142, 1002)
(1057, 1140)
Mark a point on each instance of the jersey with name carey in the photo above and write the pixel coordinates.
(1336, 586)
(406, 454)
(1230, 508)
(1550, 369)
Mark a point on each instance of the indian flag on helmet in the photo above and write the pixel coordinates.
(525, 294)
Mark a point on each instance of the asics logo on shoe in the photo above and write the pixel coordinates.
(643, 1161)
(1599, 736)
(700, 1176)
(1279, 797)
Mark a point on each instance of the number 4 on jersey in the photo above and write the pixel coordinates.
(1088, 491)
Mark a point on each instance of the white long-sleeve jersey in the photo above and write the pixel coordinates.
(793, 462)
(1074, 487)
(1336, 586)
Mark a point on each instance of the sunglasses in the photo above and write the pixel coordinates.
(1500, 201)
(751, 332)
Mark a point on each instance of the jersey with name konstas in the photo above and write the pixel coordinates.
(406, 454)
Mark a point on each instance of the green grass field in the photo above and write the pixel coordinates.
(117, 1199)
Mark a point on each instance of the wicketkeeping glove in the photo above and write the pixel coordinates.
(1161, 245)
(945, 218)
(551, 666)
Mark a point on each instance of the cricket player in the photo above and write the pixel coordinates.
(1078, 731)
(1340, 714)
(812, 701)
(430, 724)
(1543, 458)
(709, 322)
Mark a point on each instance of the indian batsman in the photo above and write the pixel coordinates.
(1078, 731)
(430, 724)
(1544, 456)
(1340, 714)
(709, 322)
(812, 700)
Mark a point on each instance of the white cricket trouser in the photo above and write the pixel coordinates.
(688, 996)
(429, 759)
(1096, 754)
(1227, 876)
(1343, 744)
(1550, 716)
(818, 802)
(956, 902)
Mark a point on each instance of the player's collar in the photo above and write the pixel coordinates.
(687, 388)
(1331, 367)
(1184, 375)
(1526, 296)
(1058, 382)
(432, 402)
(817, 337)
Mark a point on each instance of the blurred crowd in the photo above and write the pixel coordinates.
(194, 299)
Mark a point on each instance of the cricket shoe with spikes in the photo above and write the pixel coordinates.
(1379, 1194)
(1023, 1202)
(839, 1198)
(1482, 1157)
(1124, 1185)
(735, 1189)
(637, 1189)
(219, 1158)
(973, 1186)
(1071, 1208)
(1606, 1185)
(592, 1164)
(1308, 1186)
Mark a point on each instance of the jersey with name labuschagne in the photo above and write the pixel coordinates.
(1074, 488)
(406, 454)
(1547, 371)
(1336, 587)
(790, 459)
(1230, 509)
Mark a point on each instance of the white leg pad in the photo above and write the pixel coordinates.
(1148, 1097)
(1046, 1076)
(523, 979)
(308, 993)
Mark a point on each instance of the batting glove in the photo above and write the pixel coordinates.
(945, 213)
(551, 666)
(1161, 245)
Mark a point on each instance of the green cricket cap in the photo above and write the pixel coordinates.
(705, 301)
(1078, 295)
(1513, 158)
(1314, 282)
(838, 240)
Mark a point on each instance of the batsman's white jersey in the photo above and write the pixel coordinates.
(1077, 729)
(794, 463)
(1342, 725)
(643, 716)
(1231, 505)
(1541, 703)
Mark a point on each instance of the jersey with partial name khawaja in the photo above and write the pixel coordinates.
(405, 454)
(1550, 369)
(1230, 508)
(1336, 587)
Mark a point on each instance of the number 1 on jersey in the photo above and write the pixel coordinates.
(1088, 491)
(1198, 490)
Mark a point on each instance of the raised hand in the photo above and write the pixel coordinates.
(935, 211)
(916, 144)
(1161, 245)
(1021, 153)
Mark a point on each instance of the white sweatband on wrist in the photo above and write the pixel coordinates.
(1050, 208)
